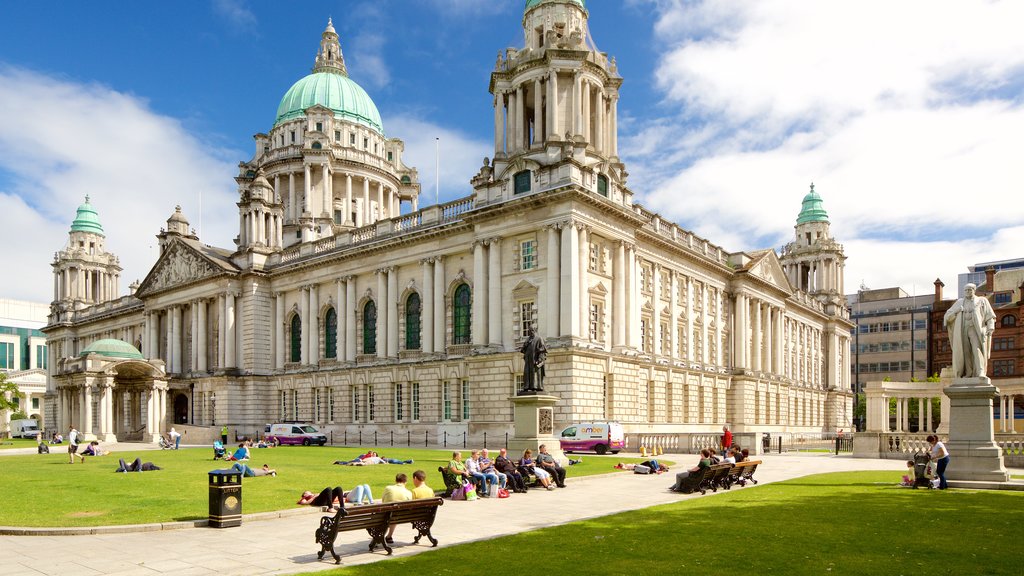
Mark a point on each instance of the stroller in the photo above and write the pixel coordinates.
(165, 443)
(923, 472)
(218, 450)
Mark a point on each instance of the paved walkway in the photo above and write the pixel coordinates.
(285, 545)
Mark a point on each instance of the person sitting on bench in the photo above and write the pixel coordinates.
(705, 462)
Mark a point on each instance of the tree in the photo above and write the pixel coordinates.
(10, 396)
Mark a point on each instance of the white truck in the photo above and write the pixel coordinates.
(26, 428)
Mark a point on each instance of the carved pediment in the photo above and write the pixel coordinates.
(179, 265)
(524, 290)
(768, 269)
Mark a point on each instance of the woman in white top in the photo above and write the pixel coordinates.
(941, 456)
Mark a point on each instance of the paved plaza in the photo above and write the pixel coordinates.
(285, 545)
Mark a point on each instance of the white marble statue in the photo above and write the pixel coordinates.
(970, 323)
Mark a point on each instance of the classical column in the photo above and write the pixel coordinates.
(104, 407)
(499, 121)
(177, 336)
(382, 312)
(307, 189)
(494, 314)
(570, 307)
(222, 331)
(193, 357)
(230, 345)
(755, 363)
(314, 324)
(614, 127)
(381, 212)
(552, 125)
(327, 189)
(585, 129)
(440, 316)
(928, 410)
(512, 137)
(341, 313)
(619, 296)
(290, 205)
(279, 353)
(427, 345)
(347, 210)
(737, 330)
(520, 118)
(479, 327)
(655, 305)
(350, 323)
(920, 414)
(201, 328)
(87, 423)
(538, 116)
(632, 295)
(392, 312)
(304, 357)
(508, 110)
(583, 261)
(577, 106)
(553, 259)
(769, 336)
(673, 328)
(365, 212)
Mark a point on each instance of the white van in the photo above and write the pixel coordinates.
(294, 433)
(25, 428)
(600, 437)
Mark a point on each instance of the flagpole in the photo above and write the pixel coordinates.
(437, 171)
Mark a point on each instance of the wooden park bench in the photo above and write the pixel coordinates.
(701, 480)
(451, 481)
(747, 472)
(375, 519)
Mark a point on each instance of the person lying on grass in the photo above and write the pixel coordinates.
(136, 466)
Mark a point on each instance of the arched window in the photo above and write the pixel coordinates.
(522, 182)
(461, 315)
(1009, 320)
(296, 349)
(317, 146)
(331, 334)
(412, 322)
(370, 328)
(602, 185)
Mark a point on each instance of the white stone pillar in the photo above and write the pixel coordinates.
(614, 127)
(230, 345)
(382, 313)
(583, 262)
(553, 260)
(512, 138)
(507, 123)
(632, 298)
(350, 323)
(291, 196)
(521, 118)
(619, 296)
(222, 331)
(928, 409)
(381, 211)
(177, 337)
(499, 105)
(193, 353)
(673, 328)
(201, 328)
(479, 325)
(755, 363)
(553, 123)
(920, 415)
(279, 352)
(570, 307)
(427, 344)
(325, 184)
(656, 347)
(87, 423)
(585, 130)
(769, 336)
(366, 203)
(102, 429)
(307, 189)
(440, 315)
(347, 211)
(393, 312)
(538, 116)
(314, 324)
(494, 315)
(341, 312)
(577, 105)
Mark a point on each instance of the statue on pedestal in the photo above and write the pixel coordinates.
(534, 355)
(970, 323)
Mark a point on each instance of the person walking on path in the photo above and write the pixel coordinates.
(941, 456)
(72, 444)
(726, 438)
(175, 437)
(224, 435)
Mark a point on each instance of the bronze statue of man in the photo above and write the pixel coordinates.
(534, 355)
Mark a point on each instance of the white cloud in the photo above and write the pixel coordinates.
(906, 118)
(460, 156)
(366, 61)
(236, 12)
(61, 141)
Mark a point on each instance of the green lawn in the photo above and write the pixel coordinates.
(92, 494)
(8, 443)
(841, 523)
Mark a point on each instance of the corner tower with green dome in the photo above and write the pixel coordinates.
(814, 261)
(325, 167)
(84, 273)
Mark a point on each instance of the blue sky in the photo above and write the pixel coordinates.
(907, 116)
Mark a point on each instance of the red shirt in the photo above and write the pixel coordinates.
(727, 439)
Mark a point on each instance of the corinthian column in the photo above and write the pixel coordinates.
(553, 260)
(494, 315)
(279, 330)
(479, 327)
(392, 312)
(382, 313)
(570, 307)
(427, 328)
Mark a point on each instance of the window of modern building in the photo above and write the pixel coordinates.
(42, 360)
(415, 401)
(521, 182)
(296, 339)
(528, 254)
(461, 315)
(331, 334)
(602, 185)
(399, 407)
(370, 328)
(412, 322)
(1003, 367)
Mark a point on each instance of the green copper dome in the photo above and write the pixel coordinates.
(335, 91)
(112, 348)
(87, 220)
(812, 210)
(532, 3)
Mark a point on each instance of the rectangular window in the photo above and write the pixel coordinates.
(1002, 298)
(666, 344)
(527, 310)
(391, 157)
(295, 404)
(35, 403)
(521, 182)
(352, 139)
(7, 356)
(446, 402)
(465, 400)
(330, 404)
(319, 126)
(1002, 344)
(415, 401)
(316, 405)
(646, 337)
(399, 408)
(1003, 367)
(355, 404)
(370, 404)
(337, 135)
(595, 251)
(597, 321)
(366, 143)
(646, 279)
(528, 255)
(42, 361)
(293, 136)
(284, 405)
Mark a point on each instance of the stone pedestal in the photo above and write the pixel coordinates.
(535, 425)
(867, 445)
(973, 453)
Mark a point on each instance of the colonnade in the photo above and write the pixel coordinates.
(318, 198)
(816, 275)
(79, 282)
(759, 341)
(879, 414)
(529, 114)
(164, 335)
(1007, 418)
(118, 411)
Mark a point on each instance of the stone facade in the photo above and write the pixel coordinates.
(374, 320)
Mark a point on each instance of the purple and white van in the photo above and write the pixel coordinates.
(600, 437)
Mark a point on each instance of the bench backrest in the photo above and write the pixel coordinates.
(749, 468)
(378, 515)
